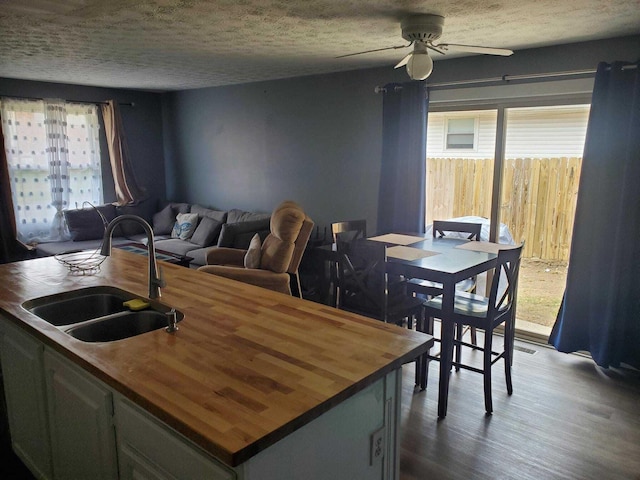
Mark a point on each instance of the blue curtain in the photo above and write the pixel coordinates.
(600, 311)
(401, 196)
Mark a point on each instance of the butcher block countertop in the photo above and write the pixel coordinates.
(246, 368)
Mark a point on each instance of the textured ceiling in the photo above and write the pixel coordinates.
(181, 44)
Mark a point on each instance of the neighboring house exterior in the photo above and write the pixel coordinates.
(538, 132)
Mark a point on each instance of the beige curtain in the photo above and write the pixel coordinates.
(8, 233)
(127, 188)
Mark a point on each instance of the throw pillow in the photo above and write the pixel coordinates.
(206, 232)
(185, 225)
(86, 223)
(143, 209)
(239, 235)
(164, 220)
(219, 215)
(235, 216)
(252, 257)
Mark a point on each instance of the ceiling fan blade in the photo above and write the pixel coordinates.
(374, 50)
(404, 61)
(474, 49)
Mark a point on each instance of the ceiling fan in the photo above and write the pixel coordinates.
(422, 30)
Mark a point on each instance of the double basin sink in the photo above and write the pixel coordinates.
(98, 314)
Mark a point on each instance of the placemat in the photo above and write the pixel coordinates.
(408, 253)
(397, 239)
(487, 247)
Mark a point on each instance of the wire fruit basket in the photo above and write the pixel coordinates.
(86, 262)
(82, 263)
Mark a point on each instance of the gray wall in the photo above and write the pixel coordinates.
(142, 123)
(317, 139)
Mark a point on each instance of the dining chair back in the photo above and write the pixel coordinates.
(442, 228)
(366, 290)
(345, 232)
(486, 313)
(368, 287)
(427, 288)
(349, 230)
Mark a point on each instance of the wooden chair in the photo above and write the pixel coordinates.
(487, 313)
(368, 293)
(443, 228)
(347, 231)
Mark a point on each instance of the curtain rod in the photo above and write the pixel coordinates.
(126, 104)
(507, 78)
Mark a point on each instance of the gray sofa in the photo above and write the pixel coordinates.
(207, 228)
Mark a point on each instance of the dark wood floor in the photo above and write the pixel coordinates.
(566, 419)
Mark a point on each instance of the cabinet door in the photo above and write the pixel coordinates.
(26, 401)
(149, 449)
(80, 413)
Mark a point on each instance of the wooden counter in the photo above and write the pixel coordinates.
(247, 367)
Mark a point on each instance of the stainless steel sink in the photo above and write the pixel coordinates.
(120, 325)
(79, 305)
(97, 314)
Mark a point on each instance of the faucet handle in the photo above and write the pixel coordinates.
(172, 321)
(160, 281)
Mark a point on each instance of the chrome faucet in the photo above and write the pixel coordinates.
(155, 278)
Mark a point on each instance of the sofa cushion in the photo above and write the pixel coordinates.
(47, 249)
(185, 225)
(252, 257)
(235, 215)
(199, 256)
(239, 235)
(86, 223)
(164, 220)
(179, 207)
(129, 229)
(176, 246)
(207, 232)
(219, 215)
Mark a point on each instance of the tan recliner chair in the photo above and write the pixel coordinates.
(280, 253)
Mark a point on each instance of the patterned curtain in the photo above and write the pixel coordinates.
(53, 158)
(55, 125)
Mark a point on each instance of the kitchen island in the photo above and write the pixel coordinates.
(261, 384)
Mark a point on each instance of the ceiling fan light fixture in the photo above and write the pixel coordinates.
(419, 66)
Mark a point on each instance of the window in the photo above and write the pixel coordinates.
(461, 133)
(53, 154)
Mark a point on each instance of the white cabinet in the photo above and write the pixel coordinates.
(24, 388)
(80, 412)
(355, 440)
(66, 424)
(148, 449)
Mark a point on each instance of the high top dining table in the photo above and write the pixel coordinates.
(446, 261)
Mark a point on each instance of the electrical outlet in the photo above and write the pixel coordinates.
(377, 446)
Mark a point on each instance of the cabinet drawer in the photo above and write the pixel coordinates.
(150, 449)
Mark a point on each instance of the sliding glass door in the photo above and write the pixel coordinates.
(521, 166)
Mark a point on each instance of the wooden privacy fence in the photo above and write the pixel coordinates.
(538, 198)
